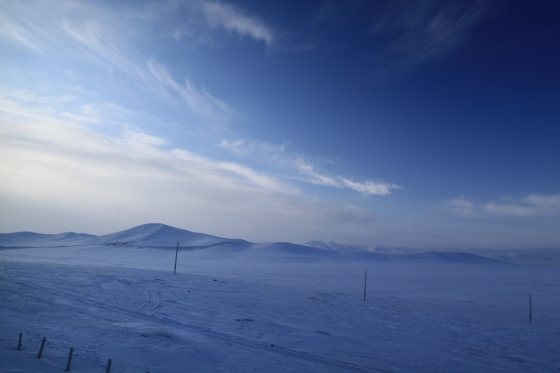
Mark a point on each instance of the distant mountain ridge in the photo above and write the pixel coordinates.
(37, 239)
(160, 235)
(153, 234)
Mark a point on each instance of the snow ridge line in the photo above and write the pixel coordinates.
(229, 339)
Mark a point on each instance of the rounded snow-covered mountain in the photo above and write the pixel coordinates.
(161, 235)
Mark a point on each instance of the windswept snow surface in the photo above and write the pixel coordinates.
(241, 307)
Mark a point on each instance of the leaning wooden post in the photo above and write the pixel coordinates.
(176, 252)
(530, 309)
(108, 366)
(69, 359)
(41, 349)
(365, 284)
(19, 341)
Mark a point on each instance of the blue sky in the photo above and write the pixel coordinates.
(430, 124)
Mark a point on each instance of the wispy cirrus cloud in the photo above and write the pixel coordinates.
(425, 30)
(326, 12)
(75, 35)
(299, 168)
(199, 100)
(462, 206)
(532, 205)
(308, 173)
(529, 206)
(232, 19)
(40, 120)
(261, 148)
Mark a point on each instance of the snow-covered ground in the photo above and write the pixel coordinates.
(240, 307)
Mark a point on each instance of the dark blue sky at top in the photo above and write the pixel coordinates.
(483, 117)
(397, 122)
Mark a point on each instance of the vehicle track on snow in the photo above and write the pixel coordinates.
(152, 298)
(151, 302)
(173, 322)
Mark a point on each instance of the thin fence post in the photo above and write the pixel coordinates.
(365, 284)
(19, 341)
(530, 309)
(69, 359)
(176, 252)
(108, 366)
(41, 349)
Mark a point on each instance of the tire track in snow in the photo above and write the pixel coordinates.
(153, 301)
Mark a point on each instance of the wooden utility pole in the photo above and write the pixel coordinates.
(365, 284)
(530, 309)
(176, 252)
(41, 349)
(69, 359)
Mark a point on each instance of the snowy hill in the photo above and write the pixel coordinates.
(161, 235)
(437, 256)
(142, 235)
(396, 254)
(533, 257)
(26, 239)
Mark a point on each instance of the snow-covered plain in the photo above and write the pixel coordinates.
(240, 307)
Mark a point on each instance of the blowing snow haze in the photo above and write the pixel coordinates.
(429, 125)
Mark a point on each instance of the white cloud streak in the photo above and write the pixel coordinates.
(200, 101)
(63, 131)
(303, 170)
(244, 147)
(232, 19)
(462, 206)
(72, 32)
(308, 173)
(530, 206)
